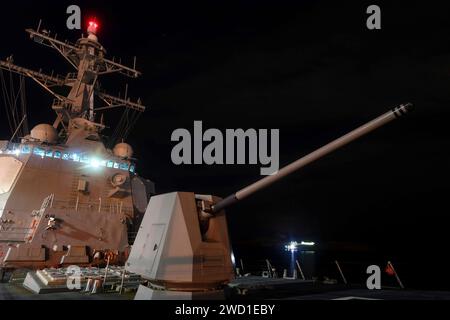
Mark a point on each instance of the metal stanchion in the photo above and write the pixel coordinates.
(340, 271)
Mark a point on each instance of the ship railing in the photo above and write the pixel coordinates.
(10, 147)
(102, 205)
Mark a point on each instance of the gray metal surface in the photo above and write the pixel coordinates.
(172, 251)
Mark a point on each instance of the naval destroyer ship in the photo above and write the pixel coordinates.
(69, 196)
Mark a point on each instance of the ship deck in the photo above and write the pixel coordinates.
(257, 289)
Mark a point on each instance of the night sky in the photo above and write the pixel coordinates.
(309, 68)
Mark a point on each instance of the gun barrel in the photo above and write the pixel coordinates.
(394, 113)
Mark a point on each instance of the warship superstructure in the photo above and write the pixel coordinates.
(67, 197)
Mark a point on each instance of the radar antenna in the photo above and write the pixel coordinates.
(87, 56)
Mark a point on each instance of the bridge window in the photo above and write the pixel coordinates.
(84, 158)
(65, 156)
(57, 154)
(49, 153)
(75, 157)
(110, 164)
(39, 151)
(124, 166)
(26, 149)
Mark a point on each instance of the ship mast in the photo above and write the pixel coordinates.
(87, 56)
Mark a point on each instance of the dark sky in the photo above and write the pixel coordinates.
(311, 69)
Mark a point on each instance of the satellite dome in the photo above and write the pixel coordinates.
(123, 150)
(44, 133)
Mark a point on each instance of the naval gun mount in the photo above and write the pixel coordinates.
(182, 247)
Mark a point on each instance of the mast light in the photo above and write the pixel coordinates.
(92, 26)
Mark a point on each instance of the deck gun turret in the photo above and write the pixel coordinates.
(183, 245)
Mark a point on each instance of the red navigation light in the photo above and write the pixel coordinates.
(93, 26)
